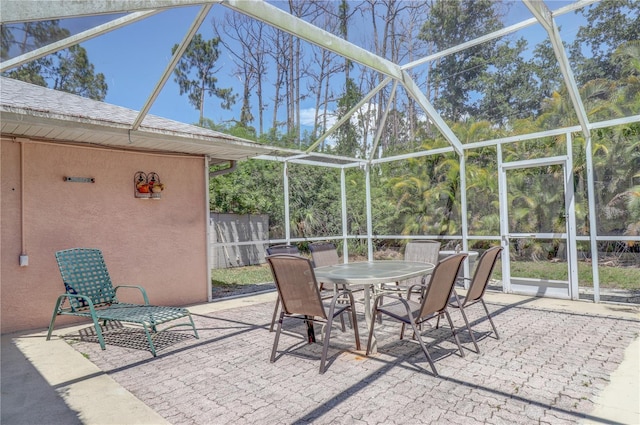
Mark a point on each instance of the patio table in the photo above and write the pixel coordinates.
(368, 274)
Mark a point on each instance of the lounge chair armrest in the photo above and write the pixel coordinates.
(140, 288)
(87, 300)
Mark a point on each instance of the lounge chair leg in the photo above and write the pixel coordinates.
(54, 317)
(193, 325)
(149, 339)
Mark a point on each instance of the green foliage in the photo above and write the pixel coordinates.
(195, 74)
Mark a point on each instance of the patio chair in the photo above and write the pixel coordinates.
(324, 254)
(477, 288)
(425, 251)
(300, 295)
(90, 293)
(273, 250)
(433, 304)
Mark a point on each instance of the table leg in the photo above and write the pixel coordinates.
(368, 316)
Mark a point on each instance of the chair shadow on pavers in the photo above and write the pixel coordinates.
(90, 293)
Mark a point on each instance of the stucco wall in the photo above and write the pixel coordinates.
(159, 244)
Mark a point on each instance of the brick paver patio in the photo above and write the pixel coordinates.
(547, 367)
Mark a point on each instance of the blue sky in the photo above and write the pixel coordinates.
(133, 58)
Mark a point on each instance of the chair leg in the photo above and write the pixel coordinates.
(325, 345)
(275, 314)
(277, 337)
(149, 340)
(489, 317)
(423, 346)
(54, 317)
(453, 331)
(193, 325)
(466, 322)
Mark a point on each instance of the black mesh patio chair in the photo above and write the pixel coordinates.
(90, 293)
(300, 295)
(434, 303)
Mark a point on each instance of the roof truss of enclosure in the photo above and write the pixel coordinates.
(21, 11)
(139, 129)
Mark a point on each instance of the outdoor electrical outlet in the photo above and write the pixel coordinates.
(24, 260)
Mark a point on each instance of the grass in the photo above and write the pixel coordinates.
(241, 275)
(610, 277)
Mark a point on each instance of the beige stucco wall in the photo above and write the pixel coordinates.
(159, 244)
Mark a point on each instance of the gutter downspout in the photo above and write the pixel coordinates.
(233, 164)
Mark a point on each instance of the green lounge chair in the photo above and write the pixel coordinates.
(89, 293)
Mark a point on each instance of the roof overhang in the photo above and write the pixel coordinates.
(39, 113)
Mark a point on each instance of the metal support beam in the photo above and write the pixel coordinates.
(544, 16)
(348, 115)
(415, 92)
(172, 64)
(75, 39)
(26, 11)
(383, 120)
(284, 21)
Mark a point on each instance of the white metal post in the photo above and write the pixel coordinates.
(593, 228)
(345, 228)
(285, 180)
(367, 170)
(570, 202)
(504, 222)
(463, 214)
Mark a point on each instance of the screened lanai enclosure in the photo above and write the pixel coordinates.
(472, 122)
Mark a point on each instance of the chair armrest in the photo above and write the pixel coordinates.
(86, 299)
(140, 288)
(423, 286)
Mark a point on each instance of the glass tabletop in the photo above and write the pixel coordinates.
(372, 272)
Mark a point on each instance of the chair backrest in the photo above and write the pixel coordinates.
(425, 251)
(296, 284)
(484, 268)
(324, 254)
(441, 284)
(84, 272)
(283, 249)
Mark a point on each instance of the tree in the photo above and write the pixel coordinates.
(510, 91)
(348, 135)
(250, 61)
(455, 76)
(611, 23)
(201, 56)
(69, 70)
